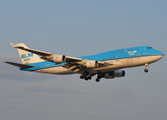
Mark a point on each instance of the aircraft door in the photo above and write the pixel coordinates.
(125, 52)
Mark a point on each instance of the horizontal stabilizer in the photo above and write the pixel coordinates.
(19, 65)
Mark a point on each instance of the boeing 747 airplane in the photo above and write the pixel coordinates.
(106, 65)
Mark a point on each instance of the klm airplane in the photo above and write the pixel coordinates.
(106, 65)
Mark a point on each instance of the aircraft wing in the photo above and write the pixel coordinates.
(19, 65)
(48, 56)
(45, 55)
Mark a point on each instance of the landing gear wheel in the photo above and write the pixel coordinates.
(145, 70)
(81, 77)
(89, 77)
(86, 78)
(97, 80)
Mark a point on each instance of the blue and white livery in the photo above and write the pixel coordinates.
(106, 65)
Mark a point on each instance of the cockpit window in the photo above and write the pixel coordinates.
(149, 48)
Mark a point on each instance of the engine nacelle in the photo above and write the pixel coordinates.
(92, 64)
(58, 59)
(107, 76)
(117, 73)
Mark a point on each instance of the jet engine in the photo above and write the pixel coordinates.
(92, 64)
(58, 59)
(117, 73)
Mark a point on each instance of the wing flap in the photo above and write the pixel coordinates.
(18, 64)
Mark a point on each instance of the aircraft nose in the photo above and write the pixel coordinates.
(162, 54)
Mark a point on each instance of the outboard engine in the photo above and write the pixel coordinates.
(117, 73)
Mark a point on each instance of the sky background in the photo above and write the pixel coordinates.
(78, 28)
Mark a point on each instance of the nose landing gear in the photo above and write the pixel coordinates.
(146, 70)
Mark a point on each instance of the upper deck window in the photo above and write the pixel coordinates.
(149, 48)
(132, 49)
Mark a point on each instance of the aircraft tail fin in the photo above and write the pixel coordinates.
(25, 56)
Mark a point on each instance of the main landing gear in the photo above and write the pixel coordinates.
(146, 70)
(98, 78)
(86, 76)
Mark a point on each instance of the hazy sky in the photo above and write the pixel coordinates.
(78, 28)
